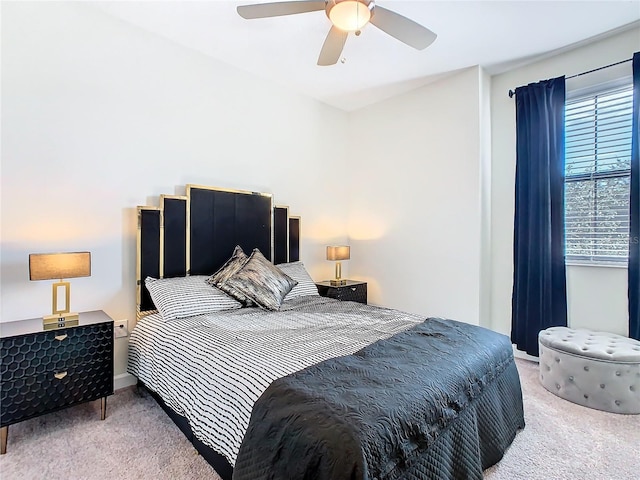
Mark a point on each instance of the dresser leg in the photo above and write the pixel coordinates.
(4, 433)
(103, 408)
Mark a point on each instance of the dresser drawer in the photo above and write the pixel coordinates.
(352, 291)
(27, 397)
(36, 354)
(357, 293)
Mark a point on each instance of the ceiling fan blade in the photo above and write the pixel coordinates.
(332, 47)
(402, 28)
(277, 9)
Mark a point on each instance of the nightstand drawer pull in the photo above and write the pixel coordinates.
(60, 375)
(60, 337)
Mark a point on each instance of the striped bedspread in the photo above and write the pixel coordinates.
(212, 369)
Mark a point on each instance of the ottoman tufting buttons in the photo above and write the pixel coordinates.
(612, 363)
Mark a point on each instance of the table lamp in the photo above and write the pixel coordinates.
(52, 266)
(339, 252)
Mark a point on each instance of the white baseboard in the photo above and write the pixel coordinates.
(123, 380)
(525, 356)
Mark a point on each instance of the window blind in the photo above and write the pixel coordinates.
(597, 173)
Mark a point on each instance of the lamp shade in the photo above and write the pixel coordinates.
(340, 252)
(49, 266)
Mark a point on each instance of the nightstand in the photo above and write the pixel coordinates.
(352, 291)
(42, 371)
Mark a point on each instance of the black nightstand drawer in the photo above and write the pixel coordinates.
(35, 354)
(28, 397)
(352, 291)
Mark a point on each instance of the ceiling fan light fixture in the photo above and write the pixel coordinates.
(349, 15)
(346, 16)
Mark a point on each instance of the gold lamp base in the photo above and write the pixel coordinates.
(61, 317)
(60, 320)
(338, 280)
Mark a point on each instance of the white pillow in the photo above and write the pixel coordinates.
(305, 286)
(182, 297)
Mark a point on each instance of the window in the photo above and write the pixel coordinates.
(597, 174)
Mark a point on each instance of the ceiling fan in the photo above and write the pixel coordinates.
(347, 16)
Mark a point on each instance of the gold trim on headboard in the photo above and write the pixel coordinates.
(139, 280)
(273, 231)
(230, 190)
(163, 197)
(299, 219)
(164, 221)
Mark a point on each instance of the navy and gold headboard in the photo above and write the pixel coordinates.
(196, 233)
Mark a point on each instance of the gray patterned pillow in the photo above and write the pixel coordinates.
(182, 297)
(219, 279)
(262, 282)
(306, 286)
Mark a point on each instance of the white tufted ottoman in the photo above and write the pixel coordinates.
(595, 369)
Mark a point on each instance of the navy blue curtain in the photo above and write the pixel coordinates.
(539, 297)
(634, 209)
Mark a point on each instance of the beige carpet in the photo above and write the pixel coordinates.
(138, 441)
(565, 441)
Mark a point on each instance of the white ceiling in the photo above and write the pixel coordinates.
(494, 34)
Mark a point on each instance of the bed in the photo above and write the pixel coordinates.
(315, 387)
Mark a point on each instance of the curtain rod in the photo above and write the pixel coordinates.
(512, 92)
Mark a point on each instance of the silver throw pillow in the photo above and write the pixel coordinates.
(230, 267)
(261, 281)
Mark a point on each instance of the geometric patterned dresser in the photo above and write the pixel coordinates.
(42, 371)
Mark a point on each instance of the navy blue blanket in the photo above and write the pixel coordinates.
(441, 400)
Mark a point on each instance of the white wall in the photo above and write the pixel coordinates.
(415, 198)
(597, 296)
(99, 117)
